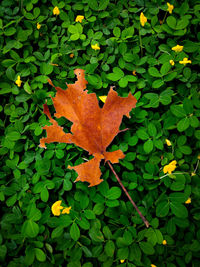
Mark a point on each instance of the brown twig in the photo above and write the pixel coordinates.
(124, 130)
(133, 203)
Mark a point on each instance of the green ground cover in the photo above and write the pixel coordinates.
(148, 48)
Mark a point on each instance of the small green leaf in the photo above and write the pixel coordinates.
(40, 256)
(179, 210)
(114, 193)
(74, 232)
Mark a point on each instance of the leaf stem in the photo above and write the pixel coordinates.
(133, 203)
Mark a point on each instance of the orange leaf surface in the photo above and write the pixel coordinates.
(93, 127)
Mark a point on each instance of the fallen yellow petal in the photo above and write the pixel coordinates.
(103, 98)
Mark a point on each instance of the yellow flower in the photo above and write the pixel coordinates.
(170, 8)
(134, 72)
(66, 210)
(95, 47)
(164, 242)
(198, 156)
(38, 26)
(103, 98)
(172, 62)
(177, 48)
(143, 19)
(168, 142)
(122, 261)
(79, 18)
(56, 207)
(56, 11)
(185, 61)
(170, 167)
(193, 174)
(71, 55)
(153, 265)
(18, 81)
(188, 201)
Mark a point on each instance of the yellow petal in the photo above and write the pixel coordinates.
(172, 62)
(122, 261)
(177, 48)
(103, 98)
(143, 19)
(56, 11)
(66, 210)
(164, 242)
(56, 207)
(188, 201)
(168, 142)
(170, 8)
(79, 18)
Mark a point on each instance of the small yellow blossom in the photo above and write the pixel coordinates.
(95, 47)
(66, 210)
(38, 25)
(188, 201)
(170, 167)
(168, 142)
(18, 81)
(56, 11)
(79, 18)
(153, 265)
(177, 48)
(193, 174)
(198, 156)
(143, 19)
(71, 55)
(56, 207)
(103, 98)
(172, 62)
(122, 261)
(164, 242)
(134, 72)
(170, 8)
(185, 61)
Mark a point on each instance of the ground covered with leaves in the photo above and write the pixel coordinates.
(147, 48)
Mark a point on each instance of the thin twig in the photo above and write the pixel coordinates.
(124, 130)
(133, 203)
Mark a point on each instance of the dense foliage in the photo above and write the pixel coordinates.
(117, 46)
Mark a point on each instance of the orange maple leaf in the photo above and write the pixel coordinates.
(93, 127)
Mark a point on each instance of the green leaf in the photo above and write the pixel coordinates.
(178, 111)
(98, 208)
(113, 193)
(27, 88)
(171, 22)
(165, 68)
(152, 129)
(57, 232)
(157, 83)
(10, 73)
(147, 248)
(178, 197)
(117, 32)
(154, 72)
(44, 194)
(179, 210)
(116, 75)
(148, 146)
(110, 248)
(74, 232)
(46, 68)
(142, 134)
(30, 228)
(162, 209)
(40, 256)
(183, 124)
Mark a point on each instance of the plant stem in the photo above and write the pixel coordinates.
(133, 203)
